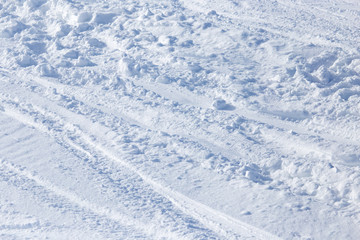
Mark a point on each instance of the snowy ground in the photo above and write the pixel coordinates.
(179, 119)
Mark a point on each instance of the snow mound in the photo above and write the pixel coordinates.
(220, 104)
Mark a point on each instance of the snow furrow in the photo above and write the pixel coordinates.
(218, 222)
(292, 136)
(102, 211)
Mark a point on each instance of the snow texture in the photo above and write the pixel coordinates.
(216, 119)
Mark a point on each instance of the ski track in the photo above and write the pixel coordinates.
(183, 204)
(113, 215)
(213, 219)
(262, 96)
(151, 230)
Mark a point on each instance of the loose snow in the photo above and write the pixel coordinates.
(231, 119)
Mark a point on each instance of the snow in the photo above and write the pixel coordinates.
(179, 119)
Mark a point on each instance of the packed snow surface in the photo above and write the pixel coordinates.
(179, 119)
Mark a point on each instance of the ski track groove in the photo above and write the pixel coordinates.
(283, 127)
(288, 128)
(223, 225)
(99, 210)
(150, 230)
(204, 102)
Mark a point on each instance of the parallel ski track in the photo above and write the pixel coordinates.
(288, 128)
(124, 220)
(292, 130)
(228, 227)
(285, 127)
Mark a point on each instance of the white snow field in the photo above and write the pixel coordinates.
(180, 119)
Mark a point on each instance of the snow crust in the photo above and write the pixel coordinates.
(216, 119)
